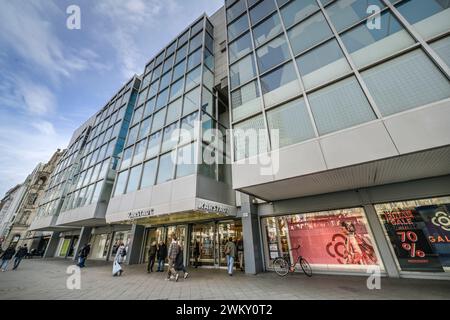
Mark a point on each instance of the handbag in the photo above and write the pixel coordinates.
(116, 268)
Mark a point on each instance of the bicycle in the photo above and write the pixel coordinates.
(282, 266)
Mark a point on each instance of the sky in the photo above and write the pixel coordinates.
(52, 78)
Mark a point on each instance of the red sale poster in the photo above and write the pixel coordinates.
(332, 238)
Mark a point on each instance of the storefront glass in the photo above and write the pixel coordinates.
(338, 240)
(65, 244)
(100, 245)
(419, 233)
(119, 237)
(227, 230)
(153, 235)
(202, 245)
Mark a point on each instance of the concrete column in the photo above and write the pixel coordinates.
(85, 236)
(252, 241)
(52, 245)
(135, 245)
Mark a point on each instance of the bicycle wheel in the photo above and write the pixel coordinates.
(281, 267)
(306, 267)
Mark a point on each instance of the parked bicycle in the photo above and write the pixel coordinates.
(282, 266)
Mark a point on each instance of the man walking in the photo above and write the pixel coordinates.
(84, 252)
(162, 255)
(230, 252)
(21, 253)
(6, 257)
(174, 249)
(151, 257)
(240, 250)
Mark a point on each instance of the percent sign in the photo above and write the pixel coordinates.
(410, 247)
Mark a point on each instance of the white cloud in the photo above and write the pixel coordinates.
(38, 99)
(44, 127)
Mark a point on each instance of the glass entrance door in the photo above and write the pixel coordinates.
(227, 230)
(153, 235)
(181, 233)
(202, 245)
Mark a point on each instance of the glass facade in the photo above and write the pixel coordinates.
(330, 55)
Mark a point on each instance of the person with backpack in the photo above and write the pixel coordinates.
(119, 259)
(162, 255)
(151, 257)
(84, 253)
(174, 249)
(6, 256)
(21, 253)
(230, 253)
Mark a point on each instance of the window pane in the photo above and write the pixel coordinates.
(242, 71)
(430, 17)
(149, 174)
(165, 171)
(181, 53)
(132, 135)
(193, 78)
(339, 106)
(245, 101)
(208, 59)
(174, 111)
(126, 158)
(191, 101)
(367, 45)
(273, 53)
(120, 184)
(98, 190)
(179, 69)
(261, 10)
(344, 13)
(297, 10)
(237, 9)
(177, 89)
(158, 120)
(406, 82)
(168, 63)
(139, 152)
(145, 128)
(149, 107)
(170, 139)
(308, 33)
(250, 138)
(197, 27)
(133, 181)
(240, 47)
(153, 145)
(188, 129)
(322, 64)
(195, 59)
(162, 99)
(293, 122)
(196, 42)
(280, 84)
(268, 29)
(237, 27)
(137, 115)
(442, 47)
(208, 79)
(186, 162)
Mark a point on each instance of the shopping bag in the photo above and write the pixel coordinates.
(116, 268)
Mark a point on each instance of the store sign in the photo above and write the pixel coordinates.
(213, 207)
(141, 214)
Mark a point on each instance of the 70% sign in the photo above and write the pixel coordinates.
(409, 239)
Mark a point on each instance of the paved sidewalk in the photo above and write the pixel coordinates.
(46, 279)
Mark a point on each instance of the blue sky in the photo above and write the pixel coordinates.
(52, 79)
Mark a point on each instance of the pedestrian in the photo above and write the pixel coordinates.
(174, 249)
(151, 257)
(83, 254)
(162, 255)
(230, 252)
(196, 253)
(6, 257)
(179, 264)
(119, 260)
(240, 250)
(21, 253)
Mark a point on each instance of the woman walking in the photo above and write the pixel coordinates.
(119, 259)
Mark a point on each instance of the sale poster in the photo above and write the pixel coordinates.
(332, 238)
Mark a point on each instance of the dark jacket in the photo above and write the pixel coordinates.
(179, 261)
(8, 254)
(22, 252)
(85, 251)
(162, 252)
(152, 251)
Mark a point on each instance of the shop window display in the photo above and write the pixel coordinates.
(419, 233)
(338, 240)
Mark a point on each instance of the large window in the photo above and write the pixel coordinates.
(120, 183)
(242, 71)
(292, 122)
(322, 64)
(237, 27)
(250, 138)
(267, 30)
(297, 10)
(429, 18)
(191, 101)
(339, 106)
(406, 82)
(280, 84)
(186, 162)
(133, 181)
(149, 174)
(154, 145)
(261, 10)
(166, 165)
(273, 53)
(240, 47)
(367, 45)
(245, 101)
(338, 240)
(442, 47)
(419, 233)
